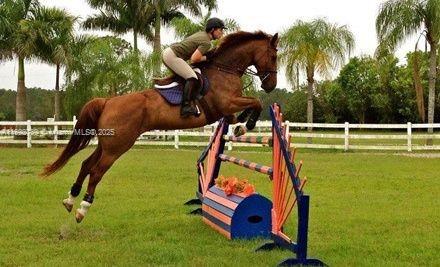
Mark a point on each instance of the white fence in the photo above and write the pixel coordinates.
(407, 137)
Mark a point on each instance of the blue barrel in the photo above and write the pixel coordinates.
(237, 216)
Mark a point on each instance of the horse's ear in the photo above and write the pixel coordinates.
(274, 41)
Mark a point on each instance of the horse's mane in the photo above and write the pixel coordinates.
(237, 38)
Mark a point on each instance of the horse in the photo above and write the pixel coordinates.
(118, 121)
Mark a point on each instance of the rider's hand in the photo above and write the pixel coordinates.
(197, 56)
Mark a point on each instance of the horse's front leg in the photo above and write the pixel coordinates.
(232, 119)
(244, 115)
(251, 108)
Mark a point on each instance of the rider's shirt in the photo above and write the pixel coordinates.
(188, 46)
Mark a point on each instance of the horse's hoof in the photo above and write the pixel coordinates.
(79, 216)
(67, 205)
(239, 131)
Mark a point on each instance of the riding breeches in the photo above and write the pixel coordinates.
(177, 65)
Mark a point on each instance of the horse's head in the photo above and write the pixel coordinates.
(237, 51)
(265, 61)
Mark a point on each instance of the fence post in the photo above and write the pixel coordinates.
(55, 134)
(409, 131)
(176, 139)
(29, 134)
(347, 136)
(74, 121)
(286, 123)
(230, 133)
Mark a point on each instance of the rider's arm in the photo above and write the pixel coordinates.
(197, 56)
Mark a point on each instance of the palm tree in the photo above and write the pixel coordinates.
(57, 50)
(25, 27)
(399, 20)
(14, 42)
(316, 46)
(121, 17)
(164, 11)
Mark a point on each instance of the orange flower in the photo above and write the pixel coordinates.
(229, 190)
(232, 181)
(225, 182)
(249, 189)
(233, 185)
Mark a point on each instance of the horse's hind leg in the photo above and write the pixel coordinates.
(96, 173)
(87, 164)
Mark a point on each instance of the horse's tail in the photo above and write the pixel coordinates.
(83, 132)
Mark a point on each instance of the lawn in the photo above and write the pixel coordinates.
(367, 209)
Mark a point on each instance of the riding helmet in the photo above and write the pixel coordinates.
(214, 23)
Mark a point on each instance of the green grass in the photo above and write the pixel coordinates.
(366, 210)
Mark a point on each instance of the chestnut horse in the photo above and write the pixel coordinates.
(119, 121)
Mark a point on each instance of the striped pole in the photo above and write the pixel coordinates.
(247, 164)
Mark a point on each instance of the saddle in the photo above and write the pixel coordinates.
(171, 88)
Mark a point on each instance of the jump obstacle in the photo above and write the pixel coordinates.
(255, 216)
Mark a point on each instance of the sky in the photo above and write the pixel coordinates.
(270, 16)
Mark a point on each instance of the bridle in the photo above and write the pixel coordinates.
(262, 74)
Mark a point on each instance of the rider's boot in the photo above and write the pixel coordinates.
(187, 109)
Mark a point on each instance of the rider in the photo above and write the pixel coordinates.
(192, 48)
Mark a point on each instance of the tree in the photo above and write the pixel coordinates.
(419, 63)
(103, 67)
(332, 101)
(316, 46)
(16, 17)
(402, 85)
(121, 17)
(399, 20)
(296, 108)
(57, 49)
(25, 27)
(360, 82)
(386, 100)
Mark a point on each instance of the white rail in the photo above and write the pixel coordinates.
(401, 136)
